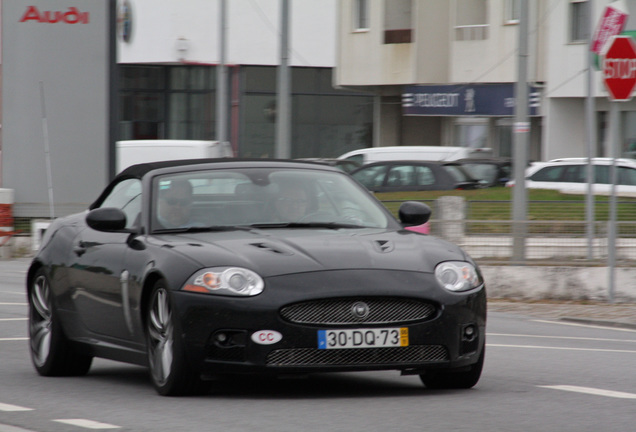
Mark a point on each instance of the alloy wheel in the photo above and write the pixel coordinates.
(40, 320)
(160, 337)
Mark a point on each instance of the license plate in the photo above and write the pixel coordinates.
(363, 338)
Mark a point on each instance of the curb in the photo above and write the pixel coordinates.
(601, 323)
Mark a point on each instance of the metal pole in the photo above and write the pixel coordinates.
(283, 124)
(614, 125)
(521, 131)
(590, 119)
(47, 153)
(221, 77)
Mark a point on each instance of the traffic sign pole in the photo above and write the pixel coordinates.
(619, 76)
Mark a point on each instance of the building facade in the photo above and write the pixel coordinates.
(160, 83)
(443, 72)
(169, 60)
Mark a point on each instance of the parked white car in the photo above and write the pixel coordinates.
(569, 175)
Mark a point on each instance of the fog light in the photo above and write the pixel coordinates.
(469, 332)
(221, 337)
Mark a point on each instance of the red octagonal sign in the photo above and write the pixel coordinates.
(619, 68)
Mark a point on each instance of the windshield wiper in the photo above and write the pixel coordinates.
(329, 225)
(214, 228)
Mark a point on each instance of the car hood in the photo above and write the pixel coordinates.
(285, 251)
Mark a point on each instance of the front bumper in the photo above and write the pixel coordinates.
(446, 330)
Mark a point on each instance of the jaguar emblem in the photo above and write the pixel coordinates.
(360, 310)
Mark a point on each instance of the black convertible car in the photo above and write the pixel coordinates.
(201, 268)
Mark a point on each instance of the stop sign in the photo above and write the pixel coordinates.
(619, 68)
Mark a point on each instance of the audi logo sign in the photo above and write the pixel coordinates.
(71, 16)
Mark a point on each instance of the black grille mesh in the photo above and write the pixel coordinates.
(339, 311)
(362, 356)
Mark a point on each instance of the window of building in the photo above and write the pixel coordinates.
(579, 20)
(325, 122)
(471, 21)
(167, 102)
(361, 15)
(511, 11)
(471, 132)
(504, 137)
(398, 21)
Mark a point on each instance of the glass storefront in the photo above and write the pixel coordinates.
(179, 102)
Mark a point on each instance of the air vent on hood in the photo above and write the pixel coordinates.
(271, 248)
(384, 246)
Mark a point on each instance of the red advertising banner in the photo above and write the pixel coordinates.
(611, 24)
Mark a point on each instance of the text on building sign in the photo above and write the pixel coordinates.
(71, 16)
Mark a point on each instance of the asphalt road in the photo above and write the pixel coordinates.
(541, 374)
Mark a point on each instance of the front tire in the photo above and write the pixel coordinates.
(449, 379)
(169, 371)
(51, 352)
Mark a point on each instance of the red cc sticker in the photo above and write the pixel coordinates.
(266, 337)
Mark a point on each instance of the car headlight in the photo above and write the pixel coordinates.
(233, 281)
(457, 276)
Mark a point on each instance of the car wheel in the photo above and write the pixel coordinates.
(170, 373)
(51, 352)
(449, 379)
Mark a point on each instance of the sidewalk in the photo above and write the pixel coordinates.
(615, 315)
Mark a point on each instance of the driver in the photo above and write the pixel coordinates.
(175, 205)
(292, 203)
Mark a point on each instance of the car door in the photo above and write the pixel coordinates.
(99, 275)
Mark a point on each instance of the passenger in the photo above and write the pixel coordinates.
(292, 203)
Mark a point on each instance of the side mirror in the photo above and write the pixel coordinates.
(413, 213)
(106, 219)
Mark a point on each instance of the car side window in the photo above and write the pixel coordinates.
(548, 174)
(626, 176)
(574, 174)
(126, 195)
(371, 176)
(425, 176)
(601, 174)
(401, 175)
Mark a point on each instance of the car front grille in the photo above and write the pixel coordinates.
(352, 357)
(342, 311)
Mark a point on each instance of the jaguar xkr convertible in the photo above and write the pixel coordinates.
(206, 268)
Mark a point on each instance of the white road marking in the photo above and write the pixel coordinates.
(14, 304)
(560, 348)
(88, 424)
(587, 325)
(13, 319)
(559, 337)
(8, 407)
(14, 339)
(592, 391)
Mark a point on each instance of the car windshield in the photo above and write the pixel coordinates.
(482, 171)
(458, 174)
(262, 198)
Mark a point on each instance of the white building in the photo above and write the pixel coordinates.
(168, 67)
(442, 72)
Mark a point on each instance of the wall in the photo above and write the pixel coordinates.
(62, 66)
(160, 27)
(565, 132)
(559, 283)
